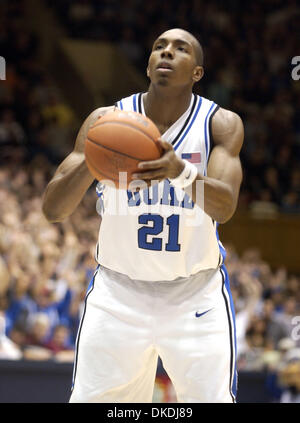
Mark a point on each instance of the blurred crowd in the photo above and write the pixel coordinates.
(45, 268)
(267, 307)
(33, 115)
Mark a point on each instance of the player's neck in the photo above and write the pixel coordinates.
(164, 106)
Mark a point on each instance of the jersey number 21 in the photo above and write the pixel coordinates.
(155, 224)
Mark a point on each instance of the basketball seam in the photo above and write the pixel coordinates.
(126, 124)
(97, 170)
(116, 151)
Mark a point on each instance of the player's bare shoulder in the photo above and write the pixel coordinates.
(227, 130)
(89, 121)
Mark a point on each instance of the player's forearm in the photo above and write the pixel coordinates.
(215, 196)
(64, 193)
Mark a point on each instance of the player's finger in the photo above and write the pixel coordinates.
(166, 146)
(137, 185)
(153, 164)
(154, 174)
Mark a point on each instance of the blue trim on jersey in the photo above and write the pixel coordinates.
(190, 125)
(89, 290)
(99, 189)
(134, 103)
(91, 284)
(222, 249)
(206, 129)
(234, 369)
(121, 104)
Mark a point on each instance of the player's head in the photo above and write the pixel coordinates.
(176, 59)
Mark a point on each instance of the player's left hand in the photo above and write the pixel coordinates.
(169, 165)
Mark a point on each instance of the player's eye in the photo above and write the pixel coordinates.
(158, 47)
(180, 48)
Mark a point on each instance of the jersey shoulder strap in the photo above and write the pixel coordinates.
(132, 103)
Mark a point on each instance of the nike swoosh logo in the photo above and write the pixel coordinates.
(201, 314)
(187, 177)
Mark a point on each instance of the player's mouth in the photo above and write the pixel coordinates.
(164, 67)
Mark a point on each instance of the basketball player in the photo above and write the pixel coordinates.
(160, 287)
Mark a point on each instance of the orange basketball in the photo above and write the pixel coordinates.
(117, 142)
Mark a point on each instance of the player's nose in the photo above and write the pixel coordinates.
(168, 52)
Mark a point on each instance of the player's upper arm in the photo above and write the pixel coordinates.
(77, 155)
(224, 161)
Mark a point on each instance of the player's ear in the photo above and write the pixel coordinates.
(198, 73)
(148, 73)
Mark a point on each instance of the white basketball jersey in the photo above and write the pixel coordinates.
(158, 233)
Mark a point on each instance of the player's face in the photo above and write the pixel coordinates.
(173, 60)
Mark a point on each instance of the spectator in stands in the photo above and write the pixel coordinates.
(11, 132)
(60, 341)
(284, 320)
(38, 332)
(246, 302)
(9, 350)
(38, 329)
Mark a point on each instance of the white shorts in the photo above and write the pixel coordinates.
(127, 324)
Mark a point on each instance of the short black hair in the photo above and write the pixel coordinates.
(199, 52)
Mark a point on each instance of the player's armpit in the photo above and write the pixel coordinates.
(224, 171)
(227, 130)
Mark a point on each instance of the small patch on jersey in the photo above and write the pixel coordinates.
(201, 314)
(192, 157)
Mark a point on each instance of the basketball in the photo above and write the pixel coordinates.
(117, 142)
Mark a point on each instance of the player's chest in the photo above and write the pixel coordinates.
(163, 128)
